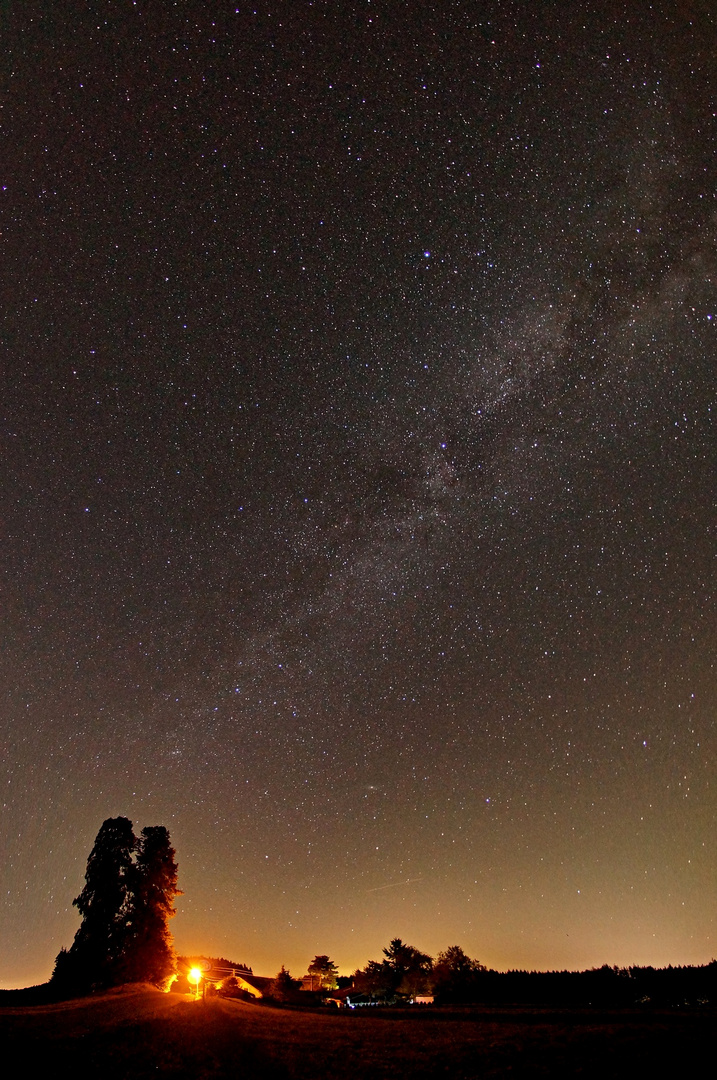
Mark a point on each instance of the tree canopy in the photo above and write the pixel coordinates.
(325, 971)
(149, 952)
(126, 904)
(284, 987)
(456, 976)
(404, 972)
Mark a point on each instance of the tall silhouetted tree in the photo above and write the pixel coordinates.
(411, 968)
(95, 955)
(149, 952)
(126, 904)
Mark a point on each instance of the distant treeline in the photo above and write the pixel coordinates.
(605, 986)
(406, 974)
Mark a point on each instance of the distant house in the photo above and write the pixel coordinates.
(215, 971)
(256, 985)
(252, 984)
(261, 984)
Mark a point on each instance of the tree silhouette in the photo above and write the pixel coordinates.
(125, 905)
(149, 950)
(104, 903)
(456, 976)
(325, 970)
(403, 973)
(284, 987)
(229, 986)
(377, 980)
(411, 968)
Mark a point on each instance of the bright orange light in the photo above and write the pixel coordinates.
(195, 975)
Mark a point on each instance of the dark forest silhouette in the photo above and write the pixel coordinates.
(455, 979)
(126, 905)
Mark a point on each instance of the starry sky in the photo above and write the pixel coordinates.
(358, 473)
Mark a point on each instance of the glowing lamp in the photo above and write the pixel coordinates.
(195, 976)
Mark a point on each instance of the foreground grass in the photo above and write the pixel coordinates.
(139, 1032)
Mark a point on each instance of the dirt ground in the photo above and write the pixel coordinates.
(139, 1032)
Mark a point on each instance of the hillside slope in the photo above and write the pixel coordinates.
(139, 1032)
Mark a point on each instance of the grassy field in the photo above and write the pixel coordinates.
(138, 1032)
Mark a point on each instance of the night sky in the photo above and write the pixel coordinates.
(358, 473)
